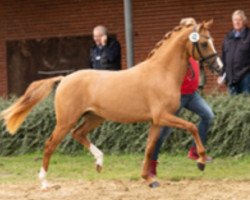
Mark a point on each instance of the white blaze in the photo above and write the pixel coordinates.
(218, 60)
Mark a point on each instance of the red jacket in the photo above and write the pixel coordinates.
(190, 83)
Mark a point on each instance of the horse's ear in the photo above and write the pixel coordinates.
(201, 26)
(208, 24)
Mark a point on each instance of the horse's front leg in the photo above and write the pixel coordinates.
(176, 122)
(151, 141)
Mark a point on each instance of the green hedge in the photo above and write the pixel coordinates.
(229, 135)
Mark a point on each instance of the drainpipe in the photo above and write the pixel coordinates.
(128, 32)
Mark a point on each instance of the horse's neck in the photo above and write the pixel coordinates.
(172, 58)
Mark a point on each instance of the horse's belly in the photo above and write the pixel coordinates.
(123, 113)
(125, 118)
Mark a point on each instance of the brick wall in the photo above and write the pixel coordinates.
(152, 19)
(45, 18)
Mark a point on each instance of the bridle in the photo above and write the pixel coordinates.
(203, 59)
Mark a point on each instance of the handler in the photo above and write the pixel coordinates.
(191, 100)
(106, 52)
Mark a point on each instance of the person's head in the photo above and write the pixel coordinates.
(188, 21)
(239, 20)
(98, 32)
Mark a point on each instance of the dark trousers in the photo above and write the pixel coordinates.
(242, 87)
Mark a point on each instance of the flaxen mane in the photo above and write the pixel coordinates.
(166, 36)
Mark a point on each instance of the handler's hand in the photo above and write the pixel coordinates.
(221, 79)
(104, 40)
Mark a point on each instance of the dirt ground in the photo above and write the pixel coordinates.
(129, 190)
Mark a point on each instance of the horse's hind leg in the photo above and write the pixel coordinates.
(91, 121)
(50, 146)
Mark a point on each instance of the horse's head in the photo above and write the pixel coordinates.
(201, 47)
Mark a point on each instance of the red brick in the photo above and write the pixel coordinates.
(151, 19)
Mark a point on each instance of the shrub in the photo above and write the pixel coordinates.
(229, 134)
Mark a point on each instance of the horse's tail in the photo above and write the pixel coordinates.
(15, 115)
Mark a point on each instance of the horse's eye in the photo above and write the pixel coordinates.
(204, 45)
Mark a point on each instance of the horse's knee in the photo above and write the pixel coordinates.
(192, 128)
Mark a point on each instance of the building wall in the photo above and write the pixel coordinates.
(45, 18)
(152, 19)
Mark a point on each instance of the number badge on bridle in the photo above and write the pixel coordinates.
(194, 37)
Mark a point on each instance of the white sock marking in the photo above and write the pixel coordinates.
(42, 178)
(97, 154)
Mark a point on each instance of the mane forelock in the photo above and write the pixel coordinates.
(166, 37)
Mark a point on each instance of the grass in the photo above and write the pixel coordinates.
(24, 168)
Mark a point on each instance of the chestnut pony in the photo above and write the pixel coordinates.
(150, 91)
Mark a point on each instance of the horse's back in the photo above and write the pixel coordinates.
(114, 95)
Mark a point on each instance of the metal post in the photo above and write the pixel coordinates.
(129, 32)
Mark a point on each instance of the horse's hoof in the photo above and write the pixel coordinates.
(201, 166)
(98, 168)
(154, 184)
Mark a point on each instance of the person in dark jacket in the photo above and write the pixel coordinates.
(106, 52)
(236, 56)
